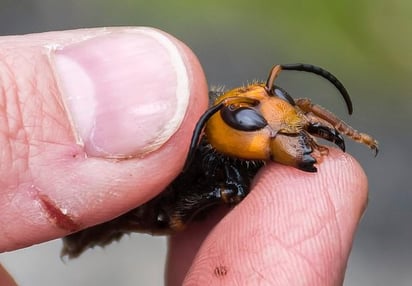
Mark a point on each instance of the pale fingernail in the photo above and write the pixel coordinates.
(126, 91)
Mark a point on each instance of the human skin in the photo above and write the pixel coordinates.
(87, 116)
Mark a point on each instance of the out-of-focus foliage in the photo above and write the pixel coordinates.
(373, 33)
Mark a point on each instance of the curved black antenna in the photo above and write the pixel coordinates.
(325, 74)
(198, 131)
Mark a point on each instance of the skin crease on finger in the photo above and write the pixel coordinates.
(48, 184)
(294, 228)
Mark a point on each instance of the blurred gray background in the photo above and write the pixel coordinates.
(366, 43)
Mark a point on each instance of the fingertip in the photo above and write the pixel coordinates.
(148, 163)
(126, 90)
(293, 227)
(347, 181)
(142, 176)
(95, 175)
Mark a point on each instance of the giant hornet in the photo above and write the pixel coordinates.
(243, 128)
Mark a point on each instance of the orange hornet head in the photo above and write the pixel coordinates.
(263, 122)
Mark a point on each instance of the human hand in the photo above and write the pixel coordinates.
(57, 178)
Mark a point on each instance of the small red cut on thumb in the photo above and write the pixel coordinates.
(88, 119)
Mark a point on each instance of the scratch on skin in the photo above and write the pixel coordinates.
(56, 215)
(220, 271)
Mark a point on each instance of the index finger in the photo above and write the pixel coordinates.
(294, 228)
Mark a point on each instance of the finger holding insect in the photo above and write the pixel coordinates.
(89, 116)
(294, 226)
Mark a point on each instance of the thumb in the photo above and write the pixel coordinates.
(88, 119)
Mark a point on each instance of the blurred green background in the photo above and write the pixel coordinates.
(366, 43)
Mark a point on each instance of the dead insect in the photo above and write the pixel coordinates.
(242, 129)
